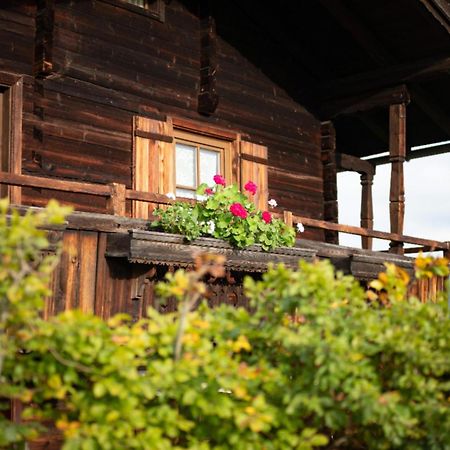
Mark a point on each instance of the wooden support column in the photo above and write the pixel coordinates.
(397, 153)
(366, 208)
(328, 156)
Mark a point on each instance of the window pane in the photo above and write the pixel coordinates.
(140, 3)
(209, 165)
(186, 165)
(186, 193)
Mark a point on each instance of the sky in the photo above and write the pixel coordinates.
(427, 200)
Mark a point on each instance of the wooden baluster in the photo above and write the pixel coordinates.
(287, 217)
(366, 208)
(116, 202)
(397, 153)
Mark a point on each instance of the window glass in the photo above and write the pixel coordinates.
(140, 3)
(186, 173)
(186, 193)
(209, 165)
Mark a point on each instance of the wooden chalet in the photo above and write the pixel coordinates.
(108, 105)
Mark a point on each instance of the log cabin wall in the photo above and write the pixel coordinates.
(89, 66)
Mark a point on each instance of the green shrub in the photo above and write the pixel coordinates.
(317, 362)
(24, 278)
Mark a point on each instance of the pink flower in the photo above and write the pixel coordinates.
(209, 191)
(219, 179)
(238, 210)
(267, 217)
(251, 187)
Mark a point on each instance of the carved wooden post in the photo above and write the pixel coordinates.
(366, 208)
(287, 218)
(116, 202)
(397, 153)
(330, 213)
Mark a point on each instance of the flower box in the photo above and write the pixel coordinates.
(152, 247)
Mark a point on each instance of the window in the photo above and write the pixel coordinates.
(173, 155)
(151, 8)
(197, 160)
(10, 132)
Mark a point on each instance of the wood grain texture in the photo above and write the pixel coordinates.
(78, 124)
(251, 170)
(397, 153)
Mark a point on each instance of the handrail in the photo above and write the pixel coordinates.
(117, 194)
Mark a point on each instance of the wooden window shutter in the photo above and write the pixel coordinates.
(153, 160)
(254, 167)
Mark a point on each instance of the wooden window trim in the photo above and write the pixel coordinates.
(15, 84)
(203, 129)
(153, 163)
(158, 14)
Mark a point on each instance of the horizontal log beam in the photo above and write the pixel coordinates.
(151, 197)
(366, 101)
(353, 163)
(349, 229)
(11, 179)
(414, 154)
(106, 191)
(387, 76)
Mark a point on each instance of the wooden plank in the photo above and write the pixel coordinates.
(256, 172)
(54, 184)
(87, 270)
(168, 249)
(154, 136)
(205, 129)
(154, 162)
(353, 163)
(116, 203)
(437, 245)
(15, 162)
(397, 151)
(422, 69)
(366, 101)
(69, 279)
(103, 290)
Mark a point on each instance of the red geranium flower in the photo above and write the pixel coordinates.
(251, 187)
(219, 179)
(267, 217)
(238, 210)
(209, 191)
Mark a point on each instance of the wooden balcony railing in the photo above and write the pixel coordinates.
(117, 194)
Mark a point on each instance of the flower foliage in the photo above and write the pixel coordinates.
(314, 364)
(227, 214)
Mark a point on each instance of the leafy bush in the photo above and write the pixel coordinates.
(225, 213)
(317, 362)
(24, 278)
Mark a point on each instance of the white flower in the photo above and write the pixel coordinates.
(171, 195)
(300, 227)
(224, 391)
(272, 203)
(211, 226)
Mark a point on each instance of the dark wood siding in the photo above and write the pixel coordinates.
(110, 63)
